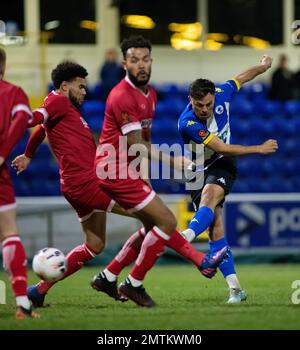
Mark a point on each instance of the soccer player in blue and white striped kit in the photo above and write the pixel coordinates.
(205, 121)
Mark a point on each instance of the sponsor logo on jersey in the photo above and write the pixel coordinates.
(219, 109)
(190, 122)
(219, 90)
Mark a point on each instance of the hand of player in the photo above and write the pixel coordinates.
(181, 163)
(2, 160)
(266, 61)
(20, 163)
(270, 146)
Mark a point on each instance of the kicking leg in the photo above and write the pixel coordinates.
(94, 228)
(237, 294)
(211, 195)
(106, 280)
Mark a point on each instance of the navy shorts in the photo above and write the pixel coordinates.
(222, 172)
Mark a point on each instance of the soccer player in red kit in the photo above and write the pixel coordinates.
(15, 115)
(128, 116)
(74, 147)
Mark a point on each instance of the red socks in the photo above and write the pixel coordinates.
(152, 247)
(14, 262)
(184, 248)
(128, 253)
(76, 258)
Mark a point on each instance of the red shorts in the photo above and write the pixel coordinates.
(130, 194)
(7, 193)
(87, 199)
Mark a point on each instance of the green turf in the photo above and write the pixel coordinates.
(186, 301)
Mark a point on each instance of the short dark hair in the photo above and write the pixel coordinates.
(67, 71)
(200, 88)
(137, 41)
(2, 60)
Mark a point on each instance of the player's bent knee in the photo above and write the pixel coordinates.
(210, 199)
(207, 197)
(169, 225)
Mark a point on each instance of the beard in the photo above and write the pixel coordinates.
(74, 100)
(135, 81)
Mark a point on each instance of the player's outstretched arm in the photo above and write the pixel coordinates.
(252, 72)
(217, 145)
(21, 162)
(151, 152)
(144, 147)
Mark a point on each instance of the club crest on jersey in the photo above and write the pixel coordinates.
(219, 109)
(125, 117)
(202, 133)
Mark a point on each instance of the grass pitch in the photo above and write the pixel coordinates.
(187, 301)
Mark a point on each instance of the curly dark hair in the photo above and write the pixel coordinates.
(200, 88)
(137, 41)
(67, 71)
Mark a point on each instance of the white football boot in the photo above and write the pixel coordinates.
(236, 296)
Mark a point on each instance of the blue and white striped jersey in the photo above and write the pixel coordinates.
(195, 131)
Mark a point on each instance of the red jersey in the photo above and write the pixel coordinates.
(12, 100)
(127, 109)
(70, 138)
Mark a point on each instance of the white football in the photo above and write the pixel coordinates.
(49, 264)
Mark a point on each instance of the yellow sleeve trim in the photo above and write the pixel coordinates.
(238, 85)
(206, 141)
